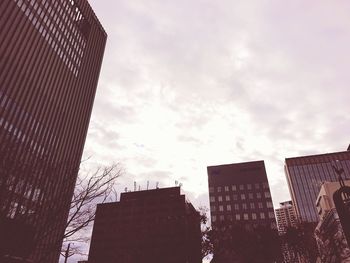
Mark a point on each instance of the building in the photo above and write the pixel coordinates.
(240, 193)
(305, 175)
(147, 226)
(240, 202)
(331, 240)
(285, 216)
(50, 58)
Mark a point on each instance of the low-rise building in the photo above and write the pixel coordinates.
(147, 226)
(331, 241)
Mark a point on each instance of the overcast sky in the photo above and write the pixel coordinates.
(190, 83)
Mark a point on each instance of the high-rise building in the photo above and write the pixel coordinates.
(329, 233)
(240, 193)
(305, 175)
(147, 226)
(285, 216)
(242, 213)
(50, 58)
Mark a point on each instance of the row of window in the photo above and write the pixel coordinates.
(243, 206)
(244, 216)
(240, 197)
(233, 187)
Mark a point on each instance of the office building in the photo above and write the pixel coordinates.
(50, 58)
(241, 205)
(305, 175)
(240, 193)
(331, 239)
(147, 226)
(285, 216)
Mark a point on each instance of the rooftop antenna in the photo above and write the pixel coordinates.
(139, 187)
(134, 186)
(157, 185)
(147, 184)
(125, 189)
(176, 182)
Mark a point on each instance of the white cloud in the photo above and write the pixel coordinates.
(187, 84)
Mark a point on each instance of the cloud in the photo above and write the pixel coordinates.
(188, 84)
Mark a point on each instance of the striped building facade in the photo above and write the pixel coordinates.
(50, 59)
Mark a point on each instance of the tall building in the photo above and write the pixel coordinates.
(285, 216)
(147, 226)
(50, 58)
(242, 213)
(329, 233)
(305, 175)
(240, 193)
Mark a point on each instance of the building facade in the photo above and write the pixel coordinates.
(240, 193)
(305, 175)
(50, 58)
(147, 226)
(285, 216)
(331, 240)
(242, 213)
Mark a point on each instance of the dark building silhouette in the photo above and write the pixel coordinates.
(240, 193)
(50, 58)
(153, 226)
(305, 176)
(242, 213)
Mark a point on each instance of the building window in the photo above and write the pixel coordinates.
(271, 215)
(260, 205)
(212, 208)
(213, 218)
(221, 208)
(228, 207)
(241, 187)
(254, 216)
(238, 217)
(265, 185)
(236, 207)
(212, 199)
(267, 194)
(245, 216)
(257, 186)
(252, 206)
(218, 189)
(242, 196)
(227, 198)
(211, 189)
(251, 196)
(244, 206)
(226, 189)
(262, 215)
(269, 205)
(220, 198)
(258, 195)
(234, 188)
(249, 186)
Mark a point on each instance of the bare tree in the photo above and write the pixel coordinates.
(90, 189)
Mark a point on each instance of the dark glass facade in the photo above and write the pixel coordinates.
(147, 226)
(305, 176)
(50, 58)
(240, 194)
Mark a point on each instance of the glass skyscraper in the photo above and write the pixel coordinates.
(305, 175)
(50, 58)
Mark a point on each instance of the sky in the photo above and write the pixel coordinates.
(191, 83)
